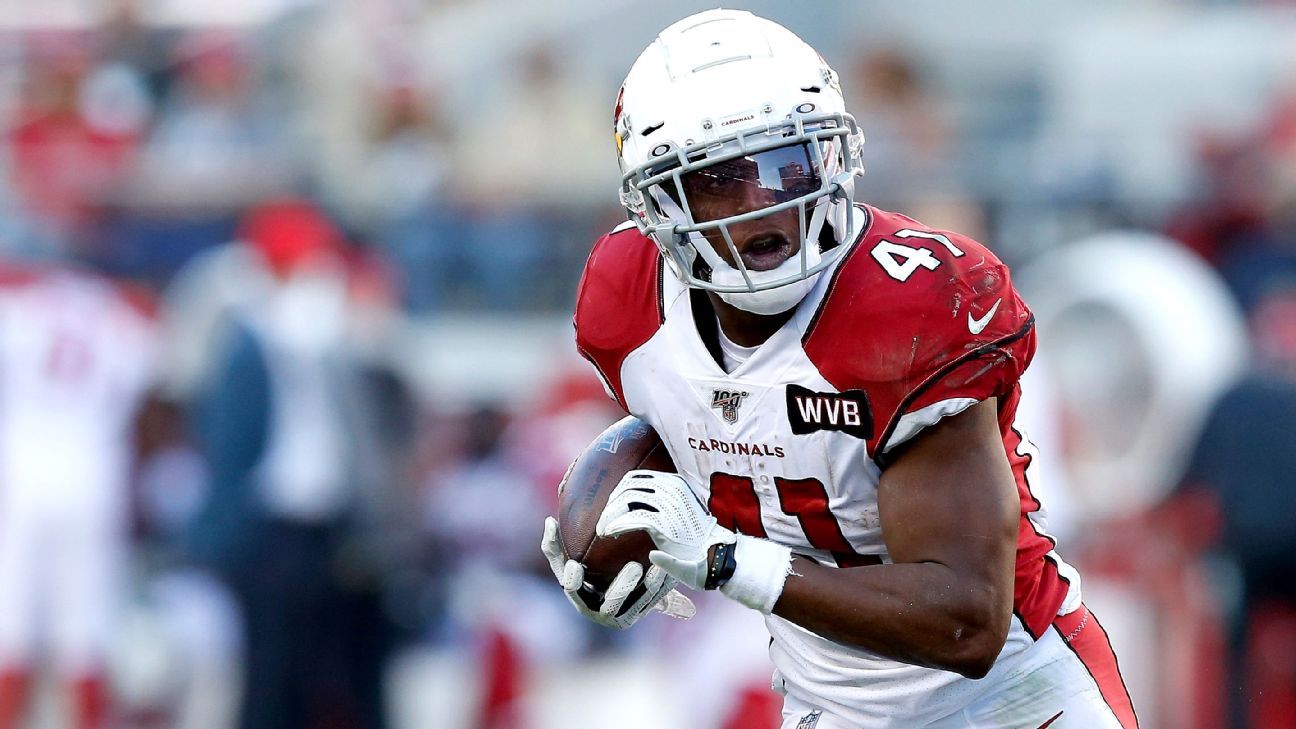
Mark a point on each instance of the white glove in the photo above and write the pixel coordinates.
(663, 505)
(609, 608)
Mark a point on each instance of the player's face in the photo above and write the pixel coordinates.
(751, 183)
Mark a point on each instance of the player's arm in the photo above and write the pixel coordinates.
(949, 511)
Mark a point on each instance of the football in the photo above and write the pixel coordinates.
(628, 444)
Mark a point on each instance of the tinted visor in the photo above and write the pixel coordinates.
(744, 184)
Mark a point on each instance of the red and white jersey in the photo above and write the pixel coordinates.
(910, 325)
(75, 360)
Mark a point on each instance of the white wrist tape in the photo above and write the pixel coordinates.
(761, 569)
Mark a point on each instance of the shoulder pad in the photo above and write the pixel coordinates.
(619, 302)
(916, 316)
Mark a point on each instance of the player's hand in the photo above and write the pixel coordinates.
(663, 505)
(610, 608)
(691, 545)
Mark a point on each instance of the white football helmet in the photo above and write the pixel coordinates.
(744, 99)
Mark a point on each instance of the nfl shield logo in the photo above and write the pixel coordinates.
(809, 720)
(728, 402)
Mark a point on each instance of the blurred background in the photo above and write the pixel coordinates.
(286, 378)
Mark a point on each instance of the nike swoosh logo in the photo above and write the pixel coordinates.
(976, 326)
(1050, 721)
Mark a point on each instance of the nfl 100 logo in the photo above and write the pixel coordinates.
(727, 402)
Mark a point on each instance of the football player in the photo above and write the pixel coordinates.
(76, 362)
(837, 385)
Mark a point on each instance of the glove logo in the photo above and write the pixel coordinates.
(728, 402)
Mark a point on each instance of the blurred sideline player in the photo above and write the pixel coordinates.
(75, 360)
(838, 387)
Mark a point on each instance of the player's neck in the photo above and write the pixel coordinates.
(743, 327)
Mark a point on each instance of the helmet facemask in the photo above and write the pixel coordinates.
(808, 165)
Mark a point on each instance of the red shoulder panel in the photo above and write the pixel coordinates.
(618, 303)
(915, 316)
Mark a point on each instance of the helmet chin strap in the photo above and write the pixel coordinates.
(780, 298)
(776, 300)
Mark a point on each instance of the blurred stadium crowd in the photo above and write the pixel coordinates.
(286, 386)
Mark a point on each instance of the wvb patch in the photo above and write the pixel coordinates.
(847, 412)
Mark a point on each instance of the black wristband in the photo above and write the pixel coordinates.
(721, 567)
